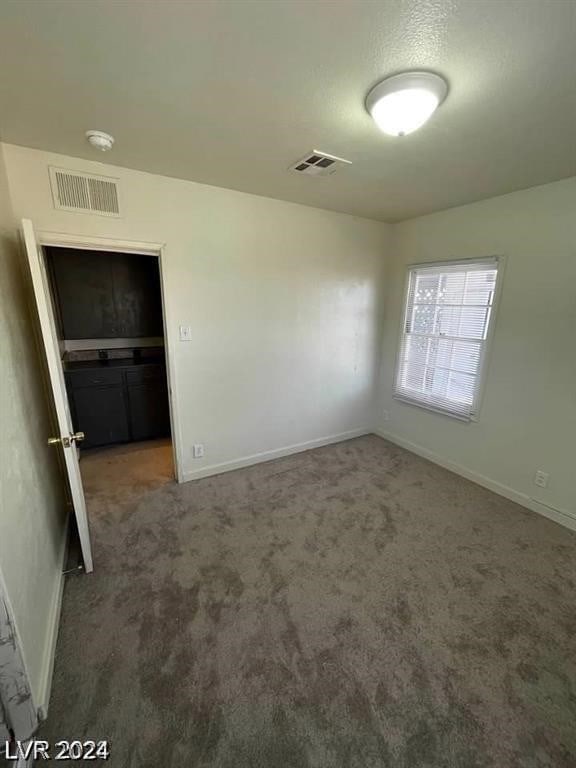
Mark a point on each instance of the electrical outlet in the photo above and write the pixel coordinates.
(385, 415)
(185, 333)
(198, 450)
(541, 478)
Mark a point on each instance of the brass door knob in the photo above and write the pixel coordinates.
(77, 437)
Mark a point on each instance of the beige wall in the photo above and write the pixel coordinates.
(528, 417)
(283, 300)
(32, 516)
(286, 305)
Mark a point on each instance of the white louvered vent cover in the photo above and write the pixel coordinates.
(84, 192)
(318, 163)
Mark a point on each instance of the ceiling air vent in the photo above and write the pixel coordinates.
(84, 192)
(318, 163)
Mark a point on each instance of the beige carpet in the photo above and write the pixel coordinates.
(350, 607)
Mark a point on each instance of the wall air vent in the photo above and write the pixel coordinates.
(318, 163)
(84, 192)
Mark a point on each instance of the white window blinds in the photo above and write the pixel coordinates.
(442, 347)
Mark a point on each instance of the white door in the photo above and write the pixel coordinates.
(66, 439)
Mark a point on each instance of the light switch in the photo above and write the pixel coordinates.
(185, 333)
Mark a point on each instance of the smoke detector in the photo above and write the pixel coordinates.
(100, 140)
(318, 163)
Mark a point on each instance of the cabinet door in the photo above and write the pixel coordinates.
(137, 296)
(85, 296)
(100, 412)
(148, 410)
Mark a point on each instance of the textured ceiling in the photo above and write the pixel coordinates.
(231, 92)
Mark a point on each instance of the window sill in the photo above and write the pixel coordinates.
(442, 411)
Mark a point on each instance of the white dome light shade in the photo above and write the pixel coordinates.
(403, 103)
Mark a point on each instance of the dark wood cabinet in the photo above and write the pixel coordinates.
(148, 410)
(119, 404)
(107, 295)
(100, 412)
(147, 396)
(137, 297)
(84, 295)
(104, 295)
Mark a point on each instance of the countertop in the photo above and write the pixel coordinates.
(127, 362)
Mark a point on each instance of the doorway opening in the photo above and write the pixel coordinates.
(103, 303)
(109, 317)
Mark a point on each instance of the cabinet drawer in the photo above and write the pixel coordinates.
(142, 373)
(96, 377)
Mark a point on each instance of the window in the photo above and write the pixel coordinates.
(444, 335)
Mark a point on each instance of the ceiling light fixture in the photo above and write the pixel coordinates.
(100, 140)
(403, 103)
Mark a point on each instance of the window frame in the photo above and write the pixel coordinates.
(486, 348)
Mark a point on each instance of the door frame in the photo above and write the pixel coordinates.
(142, 248)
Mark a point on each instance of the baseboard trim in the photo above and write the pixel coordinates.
(54, 625)
(276, 453)
(562, 517)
